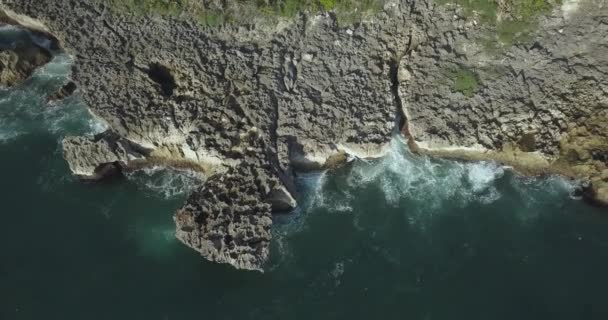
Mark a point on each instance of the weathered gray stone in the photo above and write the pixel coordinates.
(95, 158)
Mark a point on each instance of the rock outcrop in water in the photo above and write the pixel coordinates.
(18, 63)
(21, 55)
(65, 91)
(248, 105)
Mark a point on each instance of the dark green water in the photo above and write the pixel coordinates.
(398, 238)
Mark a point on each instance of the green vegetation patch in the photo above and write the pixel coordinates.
(247, 11)
(158, 7)
(485, 9)
(352, 11)
(464, 80)
(514, 20)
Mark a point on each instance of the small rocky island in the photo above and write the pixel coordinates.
(249, 104)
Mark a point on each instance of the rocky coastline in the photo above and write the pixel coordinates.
(247, 106)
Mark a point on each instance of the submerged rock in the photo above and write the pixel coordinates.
(65, 91)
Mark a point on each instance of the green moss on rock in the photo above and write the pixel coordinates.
(248, 11)
(463, 80)
(513, 20)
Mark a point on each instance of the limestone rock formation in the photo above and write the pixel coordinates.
(17, 64)
(95, 158)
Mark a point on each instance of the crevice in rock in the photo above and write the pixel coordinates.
(401, 121)
(164, 77)
(402, 124)
(115, 32)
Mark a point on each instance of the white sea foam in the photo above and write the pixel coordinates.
(7, 132)
(481, 175)
(58, 67)
(24, 109)
(429, 183)
(97, 126)
(337, 272)
(165, 182)
(334, 201)
(312, 185)
(418, 185)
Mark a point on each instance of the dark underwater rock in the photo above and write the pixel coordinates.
(65, 91)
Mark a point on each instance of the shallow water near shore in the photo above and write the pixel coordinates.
(402, 237)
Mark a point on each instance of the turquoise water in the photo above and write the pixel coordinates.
(402, 237)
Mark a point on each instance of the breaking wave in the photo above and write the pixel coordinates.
(424, 185)
(428, 182)
(166, 183)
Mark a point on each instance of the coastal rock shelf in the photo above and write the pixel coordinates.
(247, 106)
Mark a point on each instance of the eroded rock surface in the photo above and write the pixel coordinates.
(228, 219)
(95, 158)
(255, 102)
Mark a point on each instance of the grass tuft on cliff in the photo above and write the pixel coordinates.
(514, 20)
(248, 11)
(464, 81)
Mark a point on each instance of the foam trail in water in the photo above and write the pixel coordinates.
(166, 183)
(311, 185)
(311, 189)
(428, 183)
(538, 191)
(318, 194)
(481, 175)
(155, 240)
(24, 109)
